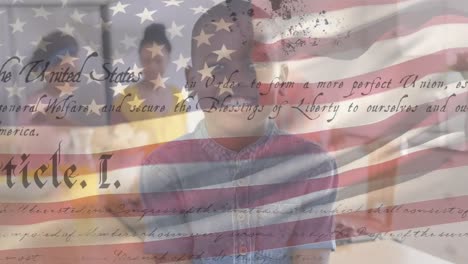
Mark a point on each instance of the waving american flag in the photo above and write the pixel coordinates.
(377, 85)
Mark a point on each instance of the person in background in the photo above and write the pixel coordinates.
(142, 120)
(50, 59)
(63, 136)
(156, 125)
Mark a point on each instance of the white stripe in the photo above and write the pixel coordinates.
(442, 184)
(344, 119)
(383, 54)
(447, 140)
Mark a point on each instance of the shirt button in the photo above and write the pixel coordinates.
(240, 216)
(243, 250)
(242, 182)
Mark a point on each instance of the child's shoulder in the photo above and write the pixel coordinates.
(178, 150)
(296, 143)
(291, 145)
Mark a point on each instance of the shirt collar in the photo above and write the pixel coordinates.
(212, 147)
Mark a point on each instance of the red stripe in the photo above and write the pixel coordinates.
(410, 216)
(129, 205)
(339, 139)
(421, 66)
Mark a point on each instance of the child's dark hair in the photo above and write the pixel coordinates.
(57, 43)
(155, 33)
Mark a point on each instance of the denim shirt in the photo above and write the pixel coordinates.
(282, 176)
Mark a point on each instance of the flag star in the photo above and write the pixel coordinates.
(67, 30)
(182, 95)
(47, 73)
(203, 38)
(222, 25)
(104, 25)
(206, 72)
(172, 3)
(224, 53)
(225, 87)
(136, 102)
(41, 12)
(67, 59)
(66, 89)
(182, 62)
(95, 108)
(129, 42)
(89, 50)
(118, 58)
(41, 107)
(136, 70)
(41, 44)
(94, 45)
(18, 26)
(35, 76)
(119, 89)
(199, 10)
(159, 82)
(77, 16)
(146, 15)
(175, 30)
(21, 58)
(119, 8)
(156, 50)
(14, 90)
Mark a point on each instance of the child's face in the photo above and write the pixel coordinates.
(228, 56)
(154, 63)
(58, 65)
